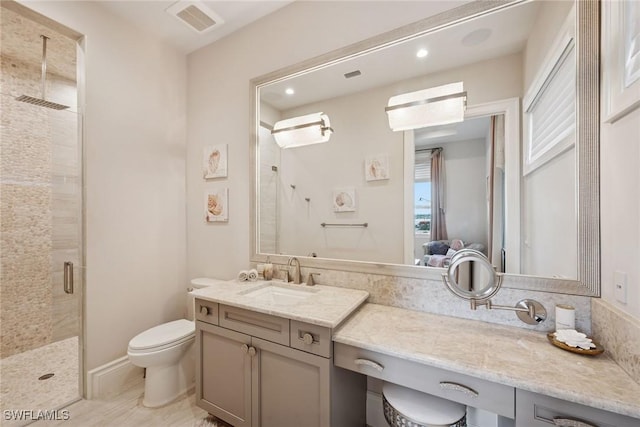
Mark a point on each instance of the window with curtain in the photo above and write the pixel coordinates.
(422, 192)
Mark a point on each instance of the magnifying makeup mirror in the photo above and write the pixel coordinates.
(471, 276)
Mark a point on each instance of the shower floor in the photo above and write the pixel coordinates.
(20, 388)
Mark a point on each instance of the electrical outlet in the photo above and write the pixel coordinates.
(620, 286)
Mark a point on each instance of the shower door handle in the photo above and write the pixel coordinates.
(68, 277)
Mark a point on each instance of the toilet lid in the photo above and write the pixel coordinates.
(164, 334)
(422, 407)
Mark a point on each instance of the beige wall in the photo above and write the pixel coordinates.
(134, 145)
(620, 209)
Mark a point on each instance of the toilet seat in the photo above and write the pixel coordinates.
(163, 336)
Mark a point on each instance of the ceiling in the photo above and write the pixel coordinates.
(150, 16)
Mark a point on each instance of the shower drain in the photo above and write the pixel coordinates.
(46, 376)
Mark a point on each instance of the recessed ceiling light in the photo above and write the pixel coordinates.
(289, 91)
(422, 53)
(476, 37)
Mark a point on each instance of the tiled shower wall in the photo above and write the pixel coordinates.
(40, 188)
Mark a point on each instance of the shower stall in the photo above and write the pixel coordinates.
(41, 223)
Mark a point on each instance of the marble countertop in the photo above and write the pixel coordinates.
(503, 354)
(326, 306)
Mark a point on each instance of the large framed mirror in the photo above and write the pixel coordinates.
(517, 179)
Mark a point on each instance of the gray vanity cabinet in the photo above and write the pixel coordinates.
(537, 410)
(291, 387)
(223, 372)
(251, 373)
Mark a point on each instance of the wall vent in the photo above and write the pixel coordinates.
(351, 74)
(195, 15)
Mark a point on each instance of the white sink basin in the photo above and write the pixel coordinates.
(275, 293)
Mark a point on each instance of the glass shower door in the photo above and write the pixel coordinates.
(40, 232)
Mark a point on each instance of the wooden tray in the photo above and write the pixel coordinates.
(591, 352)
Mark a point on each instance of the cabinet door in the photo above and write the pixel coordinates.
(223, 374)
(290, 387)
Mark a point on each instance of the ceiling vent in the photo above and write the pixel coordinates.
(351, 74)
(195, 15)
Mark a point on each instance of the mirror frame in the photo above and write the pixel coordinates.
(587, 139)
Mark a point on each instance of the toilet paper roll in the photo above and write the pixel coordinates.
(243, 276)
(565, 317)
(252, 276)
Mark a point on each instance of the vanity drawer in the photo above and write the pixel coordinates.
(537, 410)
(260, 325)
(471, 391)
(206, 311)
(321, 344)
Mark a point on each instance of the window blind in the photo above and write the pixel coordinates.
(552, 114)
(422, 166)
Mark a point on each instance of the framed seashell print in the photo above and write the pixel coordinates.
(215, 161)
(376, 167)
(216, 204)
(344, 200)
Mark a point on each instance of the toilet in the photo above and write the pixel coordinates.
(167, 353)
(405, 407)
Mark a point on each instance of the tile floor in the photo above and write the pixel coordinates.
(20, 388)
(126, 410)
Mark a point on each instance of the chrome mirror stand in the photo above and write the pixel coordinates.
(528, 310)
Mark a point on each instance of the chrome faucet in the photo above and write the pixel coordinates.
(296, 272)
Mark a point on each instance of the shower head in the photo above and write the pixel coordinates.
(42, 102)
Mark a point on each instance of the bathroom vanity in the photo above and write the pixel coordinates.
(256, 342)
(512, 372)
(261, 363)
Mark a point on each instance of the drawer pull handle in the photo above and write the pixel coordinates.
(370, 363)
(458, 387)
(252, 351)
(307, 339)
(567, 422)
(244, 348)
(204, 310)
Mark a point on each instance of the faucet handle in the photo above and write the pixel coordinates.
(310, 280)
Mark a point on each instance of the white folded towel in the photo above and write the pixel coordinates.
(252, 275)
(243, 276)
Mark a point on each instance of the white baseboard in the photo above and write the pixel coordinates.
(113, 378)
(375, 413)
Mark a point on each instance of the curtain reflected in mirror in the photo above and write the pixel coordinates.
(459, 191)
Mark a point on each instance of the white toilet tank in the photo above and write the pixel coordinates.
(199, 283)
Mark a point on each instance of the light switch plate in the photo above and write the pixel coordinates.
(620, 286)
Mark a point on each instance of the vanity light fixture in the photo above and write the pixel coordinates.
(429, 107)
(304, 130)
